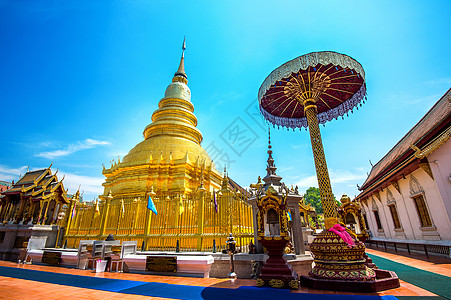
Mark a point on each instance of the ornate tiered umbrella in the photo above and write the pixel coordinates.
(310, 90)
(304, 92)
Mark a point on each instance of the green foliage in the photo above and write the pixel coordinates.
(313, 197)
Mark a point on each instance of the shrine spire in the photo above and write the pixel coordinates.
(271, 176)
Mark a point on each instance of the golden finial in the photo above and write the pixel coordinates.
(181, 69)
(151, 193)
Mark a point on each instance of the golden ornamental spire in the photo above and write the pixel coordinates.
(180, 75)
(175, 115)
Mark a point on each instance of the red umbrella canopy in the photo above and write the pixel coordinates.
(335, 81)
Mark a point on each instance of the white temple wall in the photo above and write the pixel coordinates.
(436, 193)
(440, 164)
(384, 215)
(403, 211)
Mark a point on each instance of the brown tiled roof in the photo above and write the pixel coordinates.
(5, 183)
(439, 112)
(13, 190)
(30, 177)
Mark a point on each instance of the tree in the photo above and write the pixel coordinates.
(313, 197)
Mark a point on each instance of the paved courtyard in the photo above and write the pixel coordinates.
(19, 281)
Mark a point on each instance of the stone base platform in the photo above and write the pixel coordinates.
(14, 238)
(385, 280)
(301, 264)
(189, 264)
(192, 265)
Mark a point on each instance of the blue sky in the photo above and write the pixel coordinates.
(79, 80)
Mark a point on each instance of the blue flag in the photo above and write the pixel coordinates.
(151, 206)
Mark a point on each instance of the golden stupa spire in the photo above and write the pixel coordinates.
(181, 69)
(175, 116)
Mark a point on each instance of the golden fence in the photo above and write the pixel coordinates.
(191, 220)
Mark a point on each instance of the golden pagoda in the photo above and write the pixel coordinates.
(196, 206)
(170, 158)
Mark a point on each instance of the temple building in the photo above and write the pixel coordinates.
(196, 206)
(36, 198)
(407, 195)
(31, 213)
(4, 185)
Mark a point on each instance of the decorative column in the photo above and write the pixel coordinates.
(200, 216)
(4, 209)
(18, 217)
(105, 213)
(327, 198)
(41, 206)
(298, 239)
(46, 211)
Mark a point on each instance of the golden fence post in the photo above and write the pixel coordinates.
(200, 218)
(73, 203)
(105, 213)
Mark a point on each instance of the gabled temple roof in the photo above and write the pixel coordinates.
(37, 185)
(31, 176)
(436, 121)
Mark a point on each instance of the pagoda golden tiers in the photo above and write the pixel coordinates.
(197, 205)
(170, 158)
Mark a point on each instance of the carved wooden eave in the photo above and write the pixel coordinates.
(40, 191)
(396, 186)
(30, 187)
(425, 166)
(49, 181)
(433, 145)
(378, 195)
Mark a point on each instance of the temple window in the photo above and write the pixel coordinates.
(378, 220)
(422, 210)
(366, 221)
(350, 221)
(394, 215)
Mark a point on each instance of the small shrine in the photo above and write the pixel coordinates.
(272, 201)
(350, 214)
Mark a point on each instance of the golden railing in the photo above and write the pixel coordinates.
(191, 220)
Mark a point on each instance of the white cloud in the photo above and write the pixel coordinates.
(336, 177)
(307, 182)
(88, 184)
(426, 99)
(9, 174)
(284, 169)
(87, 144)
(342, 176)
(438, 81)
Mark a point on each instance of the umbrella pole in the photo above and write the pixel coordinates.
(327, 198)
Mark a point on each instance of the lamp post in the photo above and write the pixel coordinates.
(231, 245)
